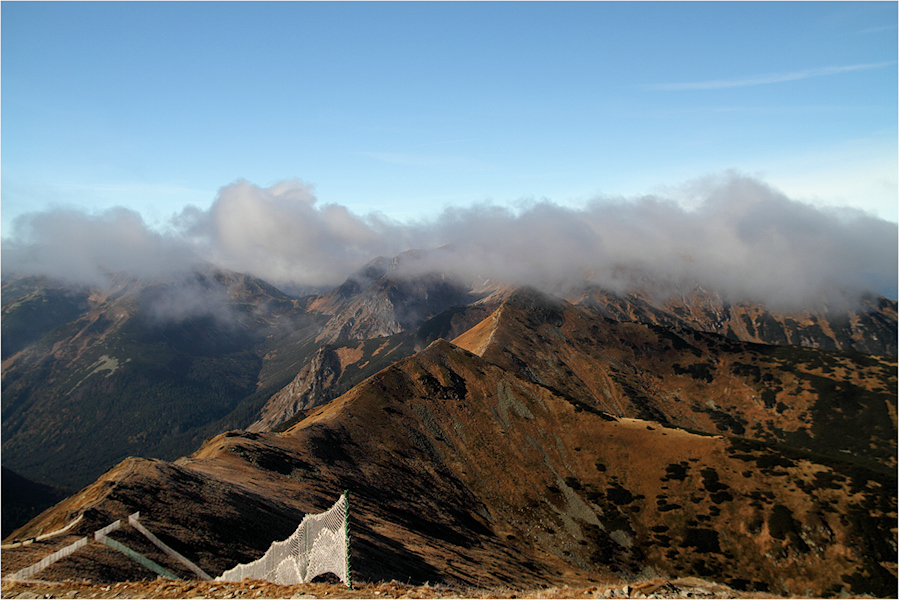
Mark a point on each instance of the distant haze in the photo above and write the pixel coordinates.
(736, 235)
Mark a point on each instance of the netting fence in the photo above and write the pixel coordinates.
(102, 536)
(320, 545)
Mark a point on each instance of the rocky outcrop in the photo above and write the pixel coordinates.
(391, 305)
(309, 388)
(868, 325)
(154, 368)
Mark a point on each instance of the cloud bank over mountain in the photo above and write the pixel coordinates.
(738, 236)
(77, 247)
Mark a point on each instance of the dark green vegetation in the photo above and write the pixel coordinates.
(846, 419)
(837, 403)
(465, 473)
(870, 513)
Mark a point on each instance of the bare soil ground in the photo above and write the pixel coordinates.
(252, 589)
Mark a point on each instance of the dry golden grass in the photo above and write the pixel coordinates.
(162, 588)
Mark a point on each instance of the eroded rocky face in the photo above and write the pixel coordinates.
(865, 326)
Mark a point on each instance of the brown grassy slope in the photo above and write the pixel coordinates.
(463, 472)
(842, 404)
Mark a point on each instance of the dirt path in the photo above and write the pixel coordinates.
(163, 588)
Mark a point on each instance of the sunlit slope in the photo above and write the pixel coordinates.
(842, 404)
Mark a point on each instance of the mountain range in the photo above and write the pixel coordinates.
(488, 434)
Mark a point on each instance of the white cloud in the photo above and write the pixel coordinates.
(736, 235)
(74, 246)
(741, 238)
(281, 234)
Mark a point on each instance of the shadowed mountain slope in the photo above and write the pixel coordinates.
(463, 471)
(550, 443)
(24, 499)
(32, 308)
(380, 303)
(145, 368)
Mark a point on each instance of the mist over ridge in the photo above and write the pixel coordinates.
(740, 238)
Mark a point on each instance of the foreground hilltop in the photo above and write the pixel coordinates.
(547, 445)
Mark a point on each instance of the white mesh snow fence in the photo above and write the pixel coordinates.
(319, 545)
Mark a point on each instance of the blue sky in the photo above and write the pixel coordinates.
(407, 108)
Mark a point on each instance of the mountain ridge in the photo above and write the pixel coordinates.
(265, 352)
(461, 471)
